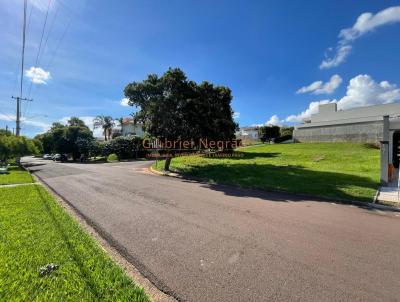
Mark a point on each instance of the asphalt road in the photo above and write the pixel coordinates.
(202, 242)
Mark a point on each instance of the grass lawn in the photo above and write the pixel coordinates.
(344, 171)
(36, 231)
(16, 175)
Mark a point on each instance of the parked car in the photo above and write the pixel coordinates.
(47, 156)
(60, 157)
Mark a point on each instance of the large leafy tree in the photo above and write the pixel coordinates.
(268, 133)
(174, 108)
(63, 138)
(106, 123)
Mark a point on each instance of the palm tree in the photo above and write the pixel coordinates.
(105, 122)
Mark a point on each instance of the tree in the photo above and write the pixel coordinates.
(268, 133)
(286, 131)
(124, 147)
(174, 108)
(105, 122)
(75, 121)
(63, 138)
(5, 132)
(12, 146)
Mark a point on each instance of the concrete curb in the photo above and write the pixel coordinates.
(371, 205)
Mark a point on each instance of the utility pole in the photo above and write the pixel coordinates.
(18, 119)
(20, 98)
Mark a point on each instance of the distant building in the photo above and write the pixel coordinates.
(128, 127)
(378, 124)
(250, 133)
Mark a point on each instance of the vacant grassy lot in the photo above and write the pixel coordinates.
(36, 231)
(334, 170)
(16, 175)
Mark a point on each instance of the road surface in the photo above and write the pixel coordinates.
(202, 242)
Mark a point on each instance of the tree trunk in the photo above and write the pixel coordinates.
(167, 163)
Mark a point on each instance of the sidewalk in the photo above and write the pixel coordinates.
(391, 192)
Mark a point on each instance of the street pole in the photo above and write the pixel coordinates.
(18, 118)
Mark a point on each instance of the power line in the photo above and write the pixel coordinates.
(40, 44)
(23, 48)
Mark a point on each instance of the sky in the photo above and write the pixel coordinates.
(281, 59)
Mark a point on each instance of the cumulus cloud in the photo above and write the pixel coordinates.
(361, 91)
(37, 75)
(236, 115)
(124, 102)
(319, 87)
(365, 23)
(364, 91)
(274, 121)
(306, 114)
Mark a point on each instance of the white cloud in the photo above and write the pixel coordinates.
(38, 124)
(364, 91)
(274, 121)
(319, 87)
(236, 115)
(124, 102)
(37, 75)
(26, 121)
(365, 23)
(7, 117)
(361, 91)
(312, 109)
(342, 51)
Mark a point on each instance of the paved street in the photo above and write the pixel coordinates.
(202, 242)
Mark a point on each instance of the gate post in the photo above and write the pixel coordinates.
(385, 152)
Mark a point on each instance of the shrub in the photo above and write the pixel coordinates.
(112, 157)
(125, 147)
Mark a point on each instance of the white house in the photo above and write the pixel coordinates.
(128, 127)
(248, 133)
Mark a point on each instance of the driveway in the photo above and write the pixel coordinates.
(202, 242)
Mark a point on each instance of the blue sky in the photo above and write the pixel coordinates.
(270, 53)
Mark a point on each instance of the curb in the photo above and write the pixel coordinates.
(371, 205)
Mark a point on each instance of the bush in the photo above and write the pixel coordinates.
(125, 147)
(12, 146)
(112, 157)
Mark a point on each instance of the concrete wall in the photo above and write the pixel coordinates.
(328, 113)
(370, 132)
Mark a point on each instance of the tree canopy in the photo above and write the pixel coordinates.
(63, 138)
(12, 146)
(268, 133)
(174, 108)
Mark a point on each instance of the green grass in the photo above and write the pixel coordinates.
(112, 157)
(35, 231)
(16, 175)
(345, 171)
